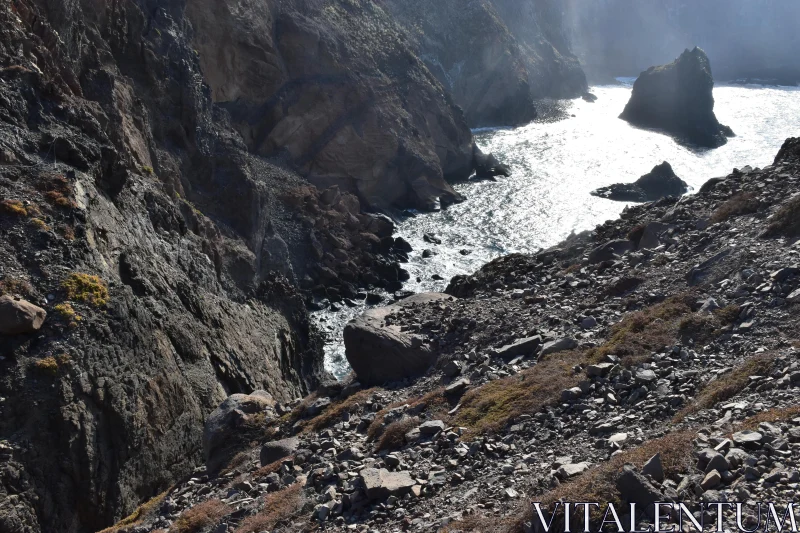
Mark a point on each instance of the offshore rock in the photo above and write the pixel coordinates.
(656, 184)
(678, 98)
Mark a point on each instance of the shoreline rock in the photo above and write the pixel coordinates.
(656, 184)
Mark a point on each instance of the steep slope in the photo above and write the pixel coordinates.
(496, 57)
(665, 339)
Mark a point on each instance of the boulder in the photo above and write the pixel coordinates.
(18, 316)
(559, 345)
(656, 184)
(487, 166)
(231, 414)
(610, 250)
(380, 353)
(277, 450)
(678, 99)
(525, 346)
(636, 488)
(380, 483)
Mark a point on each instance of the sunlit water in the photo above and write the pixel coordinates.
(554, 168)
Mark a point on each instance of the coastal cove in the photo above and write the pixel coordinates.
(555, 165)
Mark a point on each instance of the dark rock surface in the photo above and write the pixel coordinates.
(380, 352)
(656, 184)
(678, 98)
(496, 57)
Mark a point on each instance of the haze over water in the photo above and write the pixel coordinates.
(555, 166)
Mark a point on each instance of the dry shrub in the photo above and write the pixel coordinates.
(635, 235)
(394, 436)
(480, 524)
(47, 366)
(141, 512)
(598, 484)
(490, 407)
(200, 516)
(728, 385)
(786, 220)
(68, 232)
(278, 507)
(238, 460)
(40, 224)
(13, 207)
(15, 286)
(744, 203)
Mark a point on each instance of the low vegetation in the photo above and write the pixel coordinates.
(15, 287)
(200, 516)
(728, 385)
(598, 484)
(334, 412)
(393, 436)
(771, 416)
(86, 288)
(744, 203)
(141, 512)
(13, 207)
(68, 313)
(786, 221)
(47, 366)
(278, 507)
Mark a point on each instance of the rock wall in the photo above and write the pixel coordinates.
(744, 38)
(496, 57)
(336, 90)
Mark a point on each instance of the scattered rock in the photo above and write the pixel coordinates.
(18, 316)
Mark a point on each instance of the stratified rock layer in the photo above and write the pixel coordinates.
(678, 98)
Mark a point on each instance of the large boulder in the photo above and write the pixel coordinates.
(678, 98)
(226, 420)
(18, 316)
(381, 353)
(380, 483)
(656, 184)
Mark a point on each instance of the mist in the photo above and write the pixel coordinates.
(745, 39)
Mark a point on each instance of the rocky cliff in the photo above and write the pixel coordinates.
(495, 57)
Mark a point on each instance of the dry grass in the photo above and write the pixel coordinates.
(598, 484)
(200, 516)
(641, 332)
(786, 221)
(433, 402)
(744, 203)
(278, 507)
(394, 436)
(728, 385)
(68, 232)
(141, 512)
(86, 288)
(489, 408)
(771, 416)
(13, 207)
(334, 412)
(271, 468)
(39, 224)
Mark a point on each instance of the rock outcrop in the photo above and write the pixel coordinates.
(496, 57)
(656, 184)
(678, 98)
(380, 352)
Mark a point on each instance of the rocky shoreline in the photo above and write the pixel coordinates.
(652, 359)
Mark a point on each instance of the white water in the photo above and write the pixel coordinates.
(554, 168)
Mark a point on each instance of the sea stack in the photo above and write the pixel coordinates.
(678, 98)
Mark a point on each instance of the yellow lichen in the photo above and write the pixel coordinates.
(86, 288)
(68, 313)
(47, 365)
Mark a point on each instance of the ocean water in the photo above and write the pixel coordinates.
(555, 165)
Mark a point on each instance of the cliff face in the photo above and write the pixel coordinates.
(338, 92)
(496, 57)
(744, 38)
